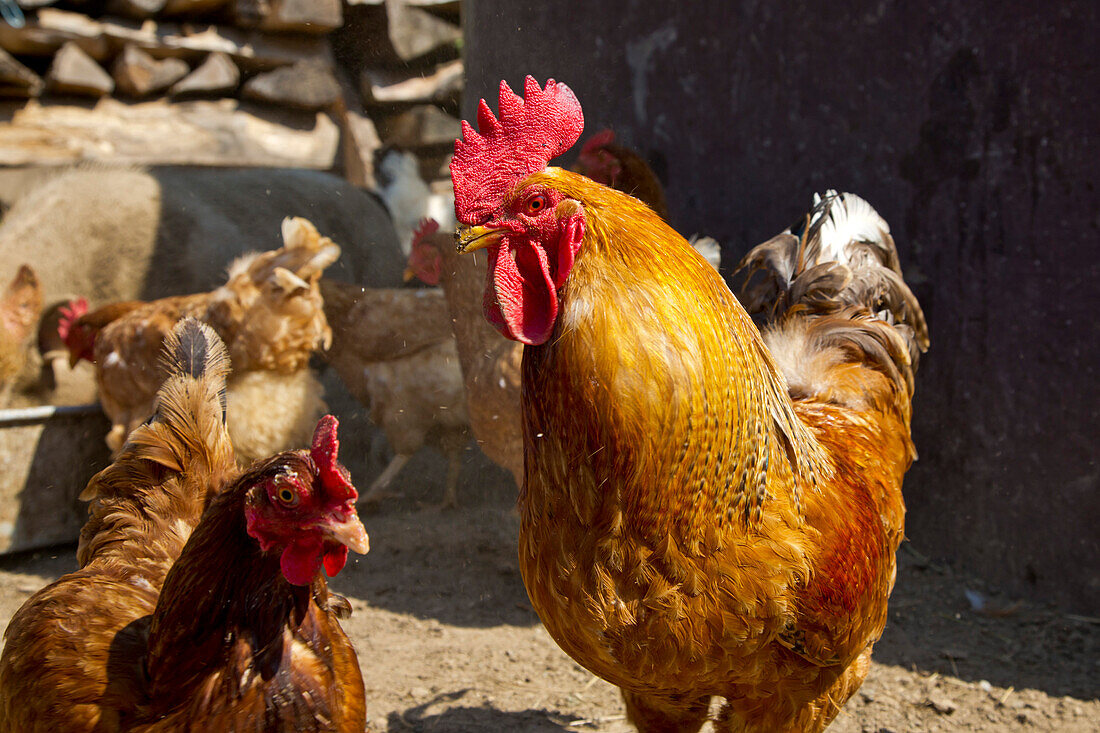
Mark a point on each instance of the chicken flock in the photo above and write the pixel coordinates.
(709, 485)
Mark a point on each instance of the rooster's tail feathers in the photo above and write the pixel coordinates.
(832, 291)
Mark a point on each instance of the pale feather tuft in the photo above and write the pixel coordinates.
(832, 293)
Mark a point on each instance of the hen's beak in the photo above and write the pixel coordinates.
(471, 238)
(350, 533)
(409, 274)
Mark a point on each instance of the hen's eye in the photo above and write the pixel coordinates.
(285, 494)
(536, 204)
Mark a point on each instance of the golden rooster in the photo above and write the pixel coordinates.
(706, 511)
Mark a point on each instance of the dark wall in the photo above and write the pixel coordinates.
(972, 128)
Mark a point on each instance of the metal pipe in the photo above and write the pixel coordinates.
(45, 412)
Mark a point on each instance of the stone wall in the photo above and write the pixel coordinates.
(972, 127)
(316, 84)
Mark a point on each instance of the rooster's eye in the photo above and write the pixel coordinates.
(536, 204)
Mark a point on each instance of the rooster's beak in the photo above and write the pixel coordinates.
(350, 533)
(409, 274)
(471, 238)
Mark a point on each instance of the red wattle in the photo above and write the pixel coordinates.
(301, 560)
(521, 300)
(335, 559)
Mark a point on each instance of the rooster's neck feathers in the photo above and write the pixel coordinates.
(653, 350)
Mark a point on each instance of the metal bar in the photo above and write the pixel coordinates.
(45, 412)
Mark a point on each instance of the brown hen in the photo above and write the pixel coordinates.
(269, 313)
(199, 604)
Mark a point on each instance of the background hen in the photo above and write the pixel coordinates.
(20, 307)
(689, 527)
(394, 351)
(269, 313)
(200, 601)
(490, 364)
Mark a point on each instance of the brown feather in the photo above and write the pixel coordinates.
(176, 620)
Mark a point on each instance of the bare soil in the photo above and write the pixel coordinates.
(448, 641)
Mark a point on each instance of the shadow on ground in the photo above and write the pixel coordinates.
(473, 719)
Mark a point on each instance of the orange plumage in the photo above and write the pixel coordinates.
(707, 511)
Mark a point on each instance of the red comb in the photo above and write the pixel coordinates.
(69, 316)
(529, 134)
(427, 227)
(334, 477)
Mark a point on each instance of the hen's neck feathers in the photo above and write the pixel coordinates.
(462, 278)
(653, 350)
(221, 590)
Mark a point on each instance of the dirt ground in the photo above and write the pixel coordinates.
(448, 642)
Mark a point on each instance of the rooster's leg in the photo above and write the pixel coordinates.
(377, 491)
(666, 714)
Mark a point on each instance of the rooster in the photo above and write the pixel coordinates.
(199, 603)
(706, 511)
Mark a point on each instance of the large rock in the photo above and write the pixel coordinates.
(75, 72)
(119, 234)
(215, 133)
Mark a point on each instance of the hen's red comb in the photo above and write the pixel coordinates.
(334, 477)
(530, 132)
(597, 141)
(68, 317)
(426, 228)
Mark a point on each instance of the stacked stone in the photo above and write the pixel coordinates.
(405, 56)
(231, 82)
